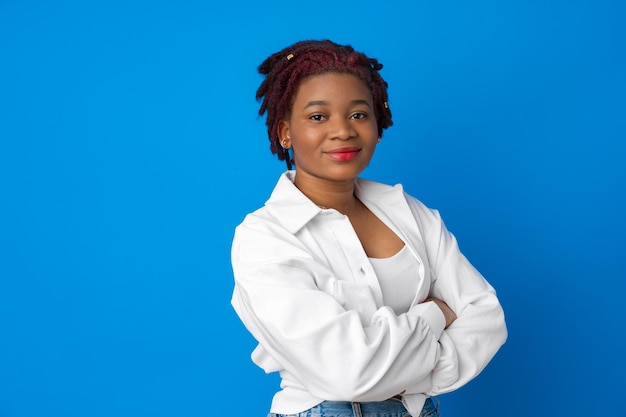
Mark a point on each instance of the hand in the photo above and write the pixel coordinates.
(447, 311)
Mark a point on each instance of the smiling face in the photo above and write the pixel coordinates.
(332, 128)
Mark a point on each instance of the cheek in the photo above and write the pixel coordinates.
(374, 128)
(306, 138)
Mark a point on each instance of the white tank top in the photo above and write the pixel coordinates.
(398, 276)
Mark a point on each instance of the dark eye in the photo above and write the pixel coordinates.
(358, 116)
(317, 117)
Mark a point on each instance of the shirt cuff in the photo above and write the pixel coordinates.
(432, 315)
(446, 371)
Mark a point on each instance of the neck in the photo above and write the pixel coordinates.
(338, 195)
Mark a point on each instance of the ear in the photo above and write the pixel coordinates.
(284, 134)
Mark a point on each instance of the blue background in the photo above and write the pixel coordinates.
(130, 148)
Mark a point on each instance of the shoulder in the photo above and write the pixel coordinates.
(271, 231)
(261, 238)
(260, 220)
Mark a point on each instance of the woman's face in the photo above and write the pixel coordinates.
(332, 127)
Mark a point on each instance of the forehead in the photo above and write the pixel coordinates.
(332, 85)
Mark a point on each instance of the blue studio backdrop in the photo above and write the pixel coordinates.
(130, 148)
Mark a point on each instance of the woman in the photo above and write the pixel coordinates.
(356, 292)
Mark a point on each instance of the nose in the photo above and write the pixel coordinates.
(342, 129)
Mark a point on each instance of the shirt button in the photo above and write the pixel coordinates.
(361, 271)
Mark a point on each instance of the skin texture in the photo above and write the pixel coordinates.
(333, 132)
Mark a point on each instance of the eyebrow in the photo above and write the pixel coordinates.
(325, 103)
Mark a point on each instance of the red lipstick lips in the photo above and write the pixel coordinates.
(343, 154)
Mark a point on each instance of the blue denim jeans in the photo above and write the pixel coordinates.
(389, 408)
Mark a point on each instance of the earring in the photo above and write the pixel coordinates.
(378, 141)
(284, 143)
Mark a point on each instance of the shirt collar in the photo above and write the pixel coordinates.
(289, 206)
(294, 210)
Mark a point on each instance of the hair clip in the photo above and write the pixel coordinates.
(289, 57)
(386, 105)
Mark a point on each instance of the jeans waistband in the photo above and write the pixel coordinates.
(391, 407)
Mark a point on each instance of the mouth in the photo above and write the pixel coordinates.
(343, 154)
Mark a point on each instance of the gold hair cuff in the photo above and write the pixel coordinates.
(289, 57)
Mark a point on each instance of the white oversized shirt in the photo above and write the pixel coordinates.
(307, 292)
